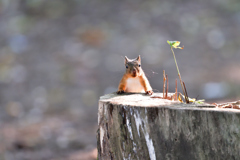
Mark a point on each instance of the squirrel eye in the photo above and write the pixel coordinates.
(139, 65)
(126, 66)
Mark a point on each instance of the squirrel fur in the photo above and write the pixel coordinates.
(134, 79)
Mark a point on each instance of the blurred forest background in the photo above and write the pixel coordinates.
(58, 57)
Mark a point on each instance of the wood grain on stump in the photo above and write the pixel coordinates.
(138, 127)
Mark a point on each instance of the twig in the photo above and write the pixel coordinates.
(186, 96)
(164, 80)
(167, 87)
(175, 91)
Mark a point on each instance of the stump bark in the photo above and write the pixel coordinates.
(136, 126)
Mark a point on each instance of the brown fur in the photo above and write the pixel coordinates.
(134, 73)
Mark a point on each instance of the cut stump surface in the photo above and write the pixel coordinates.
(137, 126)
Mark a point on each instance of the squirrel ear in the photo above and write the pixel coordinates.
(138, 58)
(126, 59)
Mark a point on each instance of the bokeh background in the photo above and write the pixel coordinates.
(58, 57)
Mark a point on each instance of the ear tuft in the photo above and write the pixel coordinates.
(126, 60)
(138, 59)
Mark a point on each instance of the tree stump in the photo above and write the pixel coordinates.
(138, 127)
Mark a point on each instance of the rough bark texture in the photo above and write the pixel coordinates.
(136, 126)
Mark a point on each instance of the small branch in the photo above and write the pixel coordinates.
(167, 87)
(176, 91)
(164, 81)
(186, 96)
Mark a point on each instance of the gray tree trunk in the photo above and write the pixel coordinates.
(137, 127)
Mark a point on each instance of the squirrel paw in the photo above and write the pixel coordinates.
(149, 92)
(120, 92)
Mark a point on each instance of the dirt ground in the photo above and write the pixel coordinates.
(55, 137)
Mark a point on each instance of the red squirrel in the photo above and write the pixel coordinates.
(134, 79)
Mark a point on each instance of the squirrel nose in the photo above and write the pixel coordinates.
(134, 70)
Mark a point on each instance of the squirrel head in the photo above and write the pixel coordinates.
(133, 67)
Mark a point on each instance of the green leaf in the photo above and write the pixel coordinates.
(175, 44)
(169, 42)
(201, 101)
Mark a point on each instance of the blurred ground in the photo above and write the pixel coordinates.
(57, 57)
